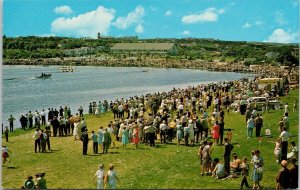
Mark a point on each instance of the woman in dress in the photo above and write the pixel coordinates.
(110, 180)
(257, 174)
(77, 129)
(125, 140)
(100, 177)
(215, 133)
(179, 133)
(100, 136)
(135, 137)
(191, 132)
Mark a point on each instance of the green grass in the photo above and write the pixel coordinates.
(165, 166)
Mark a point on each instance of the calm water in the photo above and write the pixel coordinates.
(22, 91)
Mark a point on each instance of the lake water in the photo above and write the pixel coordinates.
(22, 91)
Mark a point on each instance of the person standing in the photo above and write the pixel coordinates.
(286, 121)
(43, 116)
(48, 133)
(11, 120)
(162, 129)
(250, 126)
(100, 136)
(258, 125)
(99, 175)
(221, 131)
(283, 176)
(43, 138)
(30, 119)
(179, 132)
(125, 140)
(284, 135)
(106, 141)
(216, 132)
(227, 153)
(85, 141)
(94, 137)
(37, 140)
(111, 177)
(294, 174)
(151, 132)
(6, 131)
(245, 172)
(135, 135)
(257, 174)
(80, 110)
(23, 121)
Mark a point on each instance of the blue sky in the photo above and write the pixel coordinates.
(237, 20)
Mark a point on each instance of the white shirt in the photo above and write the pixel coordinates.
(163, 126)
(284, 136)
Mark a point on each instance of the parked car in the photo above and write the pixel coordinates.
(258, 101)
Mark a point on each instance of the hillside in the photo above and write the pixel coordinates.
(190, 49)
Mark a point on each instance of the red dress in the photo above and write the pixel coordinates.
(216, 131)
(135, 138)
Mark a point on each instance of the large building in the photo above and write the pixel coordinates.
(151, 48)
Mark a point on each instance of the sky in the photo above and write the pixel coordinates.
(230, 20)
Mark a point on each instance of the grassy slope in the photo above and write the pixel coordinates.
(166, 166)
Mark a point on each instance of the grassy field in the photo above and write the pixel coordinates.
(164, 166)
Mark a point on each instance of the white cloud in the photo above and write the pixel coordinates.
(186, 32)
(280, 18)
(139, 28)
(208, 15)
(134, 17)
(85, 25)
(281, 36)
(63, 10)
(168, 13)
(247, 25)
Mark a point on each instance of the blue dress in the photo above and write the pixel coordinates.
(100, 137)
(257, 162)
(125, 139)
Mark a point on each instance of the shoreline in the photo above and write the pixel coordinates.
(151, 63)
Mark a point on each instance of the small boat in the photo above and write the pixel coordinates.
(44, 76)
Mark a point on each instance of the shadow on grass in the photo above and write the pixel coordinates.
(12, 167)
(53, 150)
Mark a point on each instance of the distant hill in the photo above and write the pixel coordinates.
(33, 47)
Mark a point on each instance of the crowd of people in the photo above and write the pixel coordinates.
(180, 114)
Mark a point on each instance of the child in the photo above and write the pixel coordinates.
(5, 154)
(229, 135)
(277, 150)
(245, 173)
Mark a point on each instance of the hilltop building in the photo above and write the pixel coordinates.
(145, 48)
